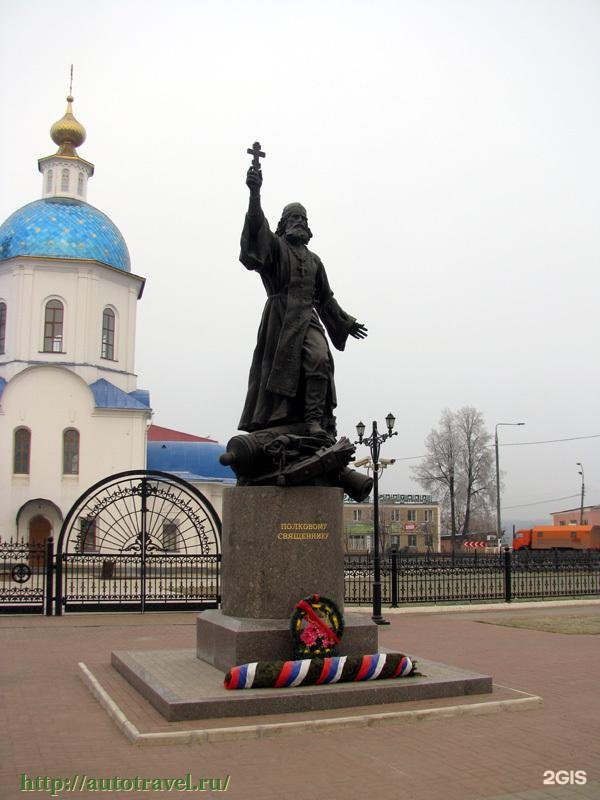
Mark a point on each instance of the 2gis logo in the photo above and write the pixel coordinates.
(562, 777)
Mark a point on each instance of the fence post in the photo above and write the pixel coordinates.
(507, 575)
(394, 557)
(49, 574)
(58, 584)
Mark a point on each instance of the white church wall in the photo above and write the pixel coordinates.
(213, 492)
(13, 280)
(116, 290)
(85, 289)
(48, 400)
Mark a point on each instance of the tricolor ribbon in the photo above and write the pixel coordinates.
(319, 671)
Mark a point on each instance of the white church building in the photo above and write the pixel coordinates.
(70, 410)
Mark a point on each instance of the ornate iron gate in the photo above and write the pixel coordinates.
(25, 576)
(139, 541)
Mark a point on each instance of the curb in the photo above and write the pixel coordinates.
(517, 605)
(267, 730)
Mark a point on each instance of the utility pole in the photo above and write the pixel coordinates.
(579, 464)
(498, 516)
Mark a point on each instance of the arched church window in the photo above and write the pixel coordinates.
(53, 327)
(108, 334)
(70, 452)
(49, 176)
(22, 451)
(64, 180)
(170, 536)
(2, 327)
(87, 535)
(80, 184)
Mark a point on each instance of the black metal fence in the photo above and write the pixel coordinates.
(139, 540)
(467, 577)
(26, 576)
(33, 577)
(116, 582)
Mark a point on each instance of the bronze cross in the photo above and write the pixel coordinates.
(256, 153)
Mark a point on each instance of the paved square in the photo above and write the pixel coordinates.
(53, 726)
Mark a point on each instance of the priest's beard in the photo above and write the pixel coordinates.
(297, 234)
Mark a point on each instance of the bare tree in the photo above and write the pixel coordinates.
(477, 461)
(459, 468)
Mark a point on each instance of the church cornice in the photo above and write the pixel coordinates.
(68, 365)
(66, 161)
(70, 263)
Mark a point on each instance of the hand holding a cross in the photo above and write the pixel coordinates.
(254, 175)
(254, 180)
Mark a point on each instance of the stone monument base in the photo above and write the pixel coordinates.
(225, 641)
(181, 687)
(280, 545)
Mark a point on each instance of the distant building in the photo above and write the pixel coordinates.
(407, 522)
(572, 516)
(193, 458)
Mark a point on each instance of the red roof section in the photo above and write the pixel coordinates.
(158, 434)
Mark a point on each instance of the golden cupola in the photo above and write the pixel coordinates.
(68, 133)
(65, 173)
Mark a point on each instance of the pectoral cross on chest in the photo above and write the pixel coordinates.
(302, 268)
(302, 261)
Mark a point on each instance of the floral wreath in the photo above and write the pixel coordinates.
(317, 626)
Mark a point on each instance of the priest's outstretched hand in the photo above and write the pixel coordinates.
(358, 330)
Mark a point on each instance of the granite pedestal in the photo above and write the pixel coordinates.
(279, 545)
(181, 687)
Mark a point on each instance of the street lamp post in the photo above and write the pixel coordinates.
(374, 443)
(498, 516)
(579, 464)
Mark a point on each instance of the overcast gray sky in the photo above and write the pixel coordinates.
(447, 153)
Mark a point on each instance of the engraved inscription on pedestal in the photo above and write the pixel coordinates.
(280, 545)
(303, 531)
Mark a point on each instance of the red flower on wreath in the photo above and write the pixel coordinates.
(311, 634)
(317, 626)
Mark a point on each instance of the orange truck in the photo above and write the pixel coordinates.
(558, 537)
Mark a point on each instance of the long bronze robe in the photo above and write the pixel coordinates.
(298, 295)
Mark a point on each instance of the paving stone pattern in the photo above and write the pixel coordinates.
(51, 724)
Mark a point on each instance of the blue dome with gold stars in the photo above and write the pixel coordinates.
(62, 227)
